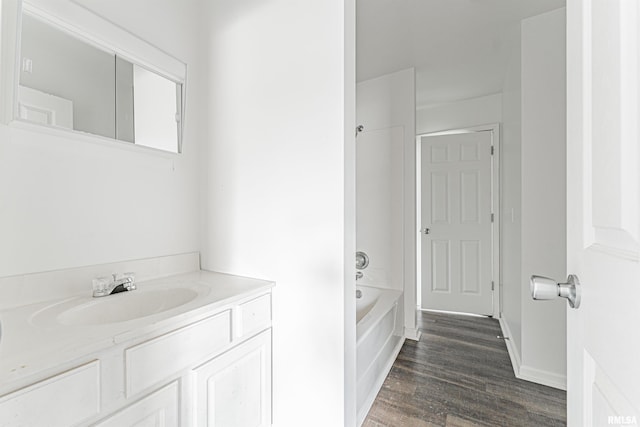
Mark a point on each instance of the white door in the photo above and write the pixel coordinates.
(603, 208)
(39, 107)
(456, 221)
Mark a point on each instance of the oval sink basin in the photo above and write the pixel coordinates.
(126, 306)
(120, 307)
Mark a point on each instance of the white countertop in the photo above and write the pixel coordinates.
(32, 350)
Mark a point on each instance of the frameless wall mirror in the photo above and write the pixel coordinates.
(71, 82)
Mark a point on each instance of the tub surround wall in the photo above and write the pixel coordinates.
(385, 196)
(379, 201)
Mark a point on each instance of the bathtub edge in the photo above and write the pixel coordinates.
(368, 402)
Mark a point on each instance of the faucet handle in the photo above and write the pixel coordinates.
(101, 286)
(124, 276)
(129, 280)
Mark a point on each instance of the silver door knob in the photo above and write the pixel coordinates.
(545, 288)
(425, 231)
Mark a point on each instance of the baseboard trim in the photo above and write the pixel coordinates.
(529, 373)
(412, 334)
(547, 378)
(514, 354)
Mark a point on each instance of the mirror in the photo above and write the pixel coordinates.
(68, 82)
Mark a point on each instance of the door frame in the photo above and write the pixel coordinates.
(494, 128)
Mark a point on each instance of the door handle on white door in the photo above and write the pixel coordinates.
(425, 230)
(546, 288)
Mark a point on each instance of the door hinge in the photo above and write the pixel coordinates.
(493, 285)
(492, 150)
(493, 217)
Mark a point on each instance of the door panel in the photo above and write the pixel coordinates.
(470, 261)
(440, 198)
(603, 195)
(470, 197)
(440, 266)
(456, 209)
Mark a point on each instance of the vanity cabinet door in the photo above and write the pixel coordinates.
(159, 409)
(234, 389)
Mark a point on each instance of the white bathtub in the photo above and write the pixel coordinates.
(378, 341)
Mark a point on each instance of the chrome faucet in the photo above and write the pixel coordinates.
(103, 286)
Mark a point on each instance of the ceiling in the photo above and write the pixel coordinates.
(459, 48)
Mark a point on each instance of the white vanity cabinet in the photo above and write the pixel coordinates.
(213, 368)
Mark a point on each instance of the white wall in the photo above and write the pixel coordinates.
(69, 202)
(533, 203)
(386, 225)
(278, 186)
(511, 188)
(544, 191)
(460, 114)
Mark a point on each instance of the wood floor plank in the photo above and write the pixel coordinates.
(459, 374)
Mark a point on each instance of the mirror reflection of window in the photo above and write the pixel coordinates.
(154, 100)
(147, 107)
(57, 66)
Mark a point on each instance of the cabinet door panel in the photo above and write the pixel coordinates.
(234, 389)
(159, 409)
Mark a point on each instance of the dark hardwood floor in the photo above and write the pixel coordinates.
(459, 374)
